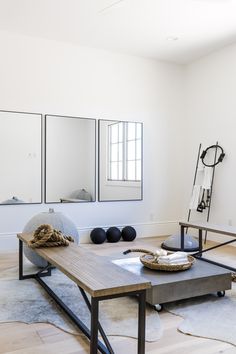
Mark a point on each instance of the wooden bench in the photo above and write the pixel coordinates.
(205, 226)
(96, 276)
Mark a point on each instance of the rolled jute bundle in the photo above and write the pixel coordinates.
(46, 236)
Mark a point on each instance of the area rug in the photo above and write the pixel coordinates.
(208, 316)
(26, 301)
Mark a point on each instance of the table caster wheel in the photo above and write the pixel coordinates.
(158, 307)
(221, 293)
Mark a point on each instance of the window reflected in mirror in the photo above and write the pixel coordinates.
(124, 151)
(20, 158)
(70, 159)
(120, 160)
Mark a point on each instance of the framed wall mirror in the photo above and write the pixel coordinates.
(20, 158)
(120, 161)
(70, 159)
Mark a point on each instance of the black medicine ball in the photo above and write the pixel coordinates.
(98, 235)
(128, 233)
(113, 234)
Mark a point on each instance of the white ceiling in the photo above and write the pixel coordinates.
(139, 27)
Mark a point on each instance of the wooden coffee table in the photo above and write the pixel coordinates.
(201, 279)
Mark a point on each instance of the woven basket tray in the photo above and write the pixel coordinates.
(150, 261)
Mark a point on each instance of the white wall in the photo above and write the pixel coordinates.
(211, 116)
(56, 78)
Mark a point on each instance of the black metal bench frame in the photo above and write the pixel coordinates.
(198, 254)
(92, 333)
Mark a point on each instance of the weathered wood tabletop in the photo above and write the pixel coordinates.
(95, 274)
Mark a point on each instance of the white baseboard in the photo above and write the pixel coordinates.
(9, 241)
(149, 229)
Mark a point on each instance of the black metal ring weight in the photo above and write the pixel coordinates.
(220, 158)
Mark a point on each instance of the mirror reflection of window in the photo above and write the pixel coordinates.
(124, 151)
(115, 152)
(120, 160)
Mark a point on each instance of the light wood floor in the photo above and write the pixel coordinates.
(20, 338)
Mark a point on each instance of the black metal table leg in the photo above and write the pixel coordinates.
(141, 322)
(41, 273)
(94, 326)
(182, 238)
(141, 296)
(20, 260)
(101, 330)
(200, 242)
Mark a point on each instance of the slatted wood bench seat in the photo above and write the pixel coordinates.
(205, 226)
(95, 275)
